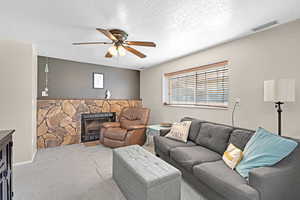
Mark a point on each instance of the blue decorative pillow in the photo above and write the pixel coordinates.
(264, 149)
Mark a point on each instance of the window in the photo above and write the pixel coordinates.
(200, 86)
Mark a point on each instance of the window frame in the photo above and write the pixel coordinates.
(194, 70)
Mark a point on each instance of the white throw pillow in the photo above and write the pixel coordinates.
(180, 131)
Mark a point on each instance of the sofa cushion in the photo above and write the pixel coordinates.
(240, 137)
(164, 144)
(187, 157)
(194, 128)
(214, 136)
(228, 183)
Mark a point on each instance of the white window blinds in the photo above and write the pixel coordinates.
(204, 86)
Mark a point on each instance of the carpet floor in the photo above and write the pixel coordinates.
(73, 172)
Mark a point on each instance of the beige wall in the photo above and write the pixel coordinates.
(18, 71)
(271, 54)
(34, 101)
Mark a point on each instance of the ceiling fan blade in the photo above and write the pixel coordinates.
(85, 43)
(140, 43)
(135, 52)
(108, 55)
(107, 34)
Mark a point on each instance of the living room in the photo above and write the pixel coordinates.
(149, 100)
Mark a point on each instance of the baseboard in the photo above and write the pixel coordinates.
(22, 163)
(26, 162)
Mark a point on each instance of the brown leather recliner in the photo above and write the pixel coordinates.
(129, 130)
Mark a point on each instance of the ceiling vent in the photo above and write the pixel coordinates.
(265, 26)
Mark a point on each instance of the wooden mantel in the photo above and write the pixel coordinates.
(59, 120)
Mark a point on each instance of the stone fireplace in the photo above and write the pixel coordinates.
(59, 120)
(91, 124)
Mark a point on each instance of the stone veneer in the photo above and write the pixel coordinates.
(59, 120)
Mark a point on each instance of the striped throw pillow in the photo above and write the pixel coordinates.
(232, 156)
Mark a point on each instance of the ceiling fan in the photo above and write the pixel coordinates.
(120, 43)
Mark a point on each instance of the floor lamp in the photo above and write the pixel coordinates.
(279, 92)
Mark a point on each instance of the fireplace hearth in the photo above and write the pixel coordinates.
(91, 124)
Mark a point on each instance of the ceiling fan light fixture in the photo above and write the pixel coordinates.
(113, 51)
(121, 51)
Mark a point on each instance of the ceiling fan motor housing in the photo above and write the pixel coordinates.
(119, 34)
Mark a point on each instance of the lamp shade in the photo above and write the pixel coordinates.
(282, 90)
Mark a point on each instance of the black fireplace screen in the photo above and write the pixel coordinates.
(91, 124)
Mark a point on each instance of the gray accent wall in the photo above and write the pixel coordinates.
(68, 79)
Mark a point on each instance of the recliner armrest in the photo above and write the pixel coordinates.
(135, 127)
(111, 124)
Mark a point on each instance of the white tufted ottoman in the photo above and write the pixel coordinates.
(142, 176)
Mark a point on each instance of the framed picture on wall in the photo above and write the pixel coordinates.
(98, 80)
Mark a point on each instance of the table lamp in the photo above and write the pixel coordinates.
(279, 92)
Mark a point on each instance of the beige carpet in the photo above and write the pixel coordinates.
(74, 172)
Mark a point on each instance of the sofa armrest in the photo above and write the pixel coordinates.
(135, 127)
(276, 183)
(111, 124)
(164, 132)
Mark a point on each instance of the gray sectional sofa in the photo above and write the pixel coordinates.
(200, 161)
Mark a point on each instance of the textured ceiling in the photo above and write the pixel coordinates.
(179, 27)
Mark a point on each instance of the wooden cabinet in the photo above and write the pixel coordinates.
(6, 144)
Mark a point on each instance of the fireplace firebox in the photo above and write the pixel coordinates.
(91, 124)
